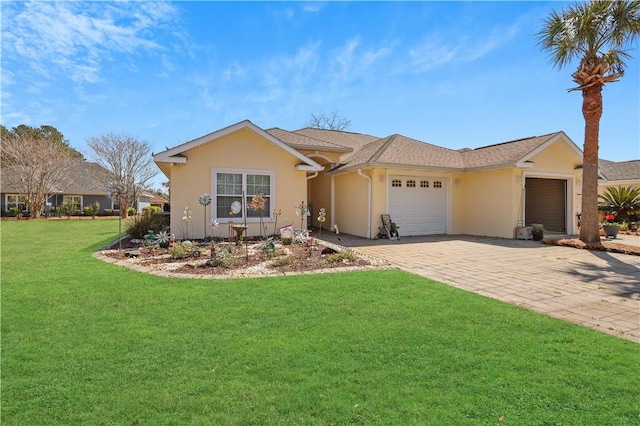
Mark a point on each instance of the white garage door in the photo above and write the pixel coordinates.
(418, 205)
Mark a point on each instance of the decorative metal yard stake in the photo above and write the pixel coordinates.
(303, 212)
(246, 237)
(204, 200)
(116, 190)
(276, 213)
(322, 218)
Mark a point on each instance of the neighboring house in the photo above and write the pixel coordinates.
(623, 173)
(148, 199)
(425, 188)
(88, 185)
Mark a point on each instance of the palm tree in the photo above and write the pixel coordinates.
(600, 34)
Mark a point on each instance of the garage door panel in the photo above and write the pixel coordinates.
(420, 207)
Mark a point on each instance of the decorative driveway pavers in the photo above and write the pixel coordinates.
(595, 289)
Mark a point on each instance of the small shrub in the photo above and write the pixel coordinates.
(138, 226)
(67, 209)
(286, 241)
(344, 256)
(221, 262)
(181, 250)
(91, 209)
(14, 212)
(132, 211)
(284, 261)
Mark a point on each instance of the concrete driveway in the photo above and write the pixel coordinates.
(594, 289)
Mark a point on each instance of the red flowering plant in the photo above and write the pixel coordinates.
(607, 218)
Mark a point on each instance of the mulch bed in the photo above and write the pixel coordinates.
(610, 246)
(252, 259)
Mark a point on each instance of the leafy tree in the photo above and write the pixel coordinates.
(599, 34)
(35, 163)
(128, 162)
(331, 121)
(46, 133)
(621, 201)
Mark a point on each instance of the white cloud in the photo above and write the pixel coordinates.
(435, 50)
(75, 39)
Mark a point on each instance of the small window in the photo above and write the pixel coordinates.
(74, 200)
(437, 184)
(396, 183)
(424, 184)
(16, 202)
(411, 184)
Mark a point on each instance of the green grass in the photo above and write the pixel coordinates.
(85, 342)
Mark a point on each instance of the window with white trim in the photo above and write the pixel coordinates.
(424, 184)
(411, 183)
(75, 200)
(230, 184)
(396, 183)
(437, 184)
(15, 201)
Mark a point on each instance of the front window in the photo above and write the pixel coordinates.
(231, 184)
(74, 200)
(16, 201)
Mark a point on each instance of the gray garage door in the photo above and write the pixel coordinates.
(546, 203)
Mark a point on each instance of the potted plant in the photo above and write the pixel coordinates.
(537, 231)
(609, 227)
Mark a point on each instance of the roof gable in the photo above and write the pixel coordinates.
(176, 154)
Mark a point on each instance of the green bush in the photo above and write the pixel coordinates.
(344, 256)
(132, 211)
(67, 209)
(221, 262)
(138, 226)
(91, 209)
(181, 250)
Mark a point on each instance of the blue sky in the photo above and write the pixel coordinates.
(455, 74)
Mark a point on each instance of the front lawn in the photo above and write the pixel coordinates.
(85, 342)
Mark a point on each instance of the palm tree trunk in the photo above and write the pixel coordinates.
(592, 111)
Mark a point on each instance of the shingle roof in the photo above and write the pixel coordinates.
(87, 178)
(342, 138)
(401, 150)
(624, 170)
(503, 153)
(300, 141)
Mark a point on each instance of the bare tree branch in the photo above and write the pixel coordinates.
(35, 167)
(128, 161)
(331, 121)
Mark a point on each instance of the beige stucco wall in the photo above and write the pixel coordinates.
(602, 186)
(243, 149)
(490, 203)
(487, 203)
(351, 204)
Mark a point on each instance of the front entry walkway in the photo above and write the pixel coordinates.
(595, 289)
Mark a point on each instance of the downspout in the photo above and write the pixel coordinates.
(312, 176)
(368, 202)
